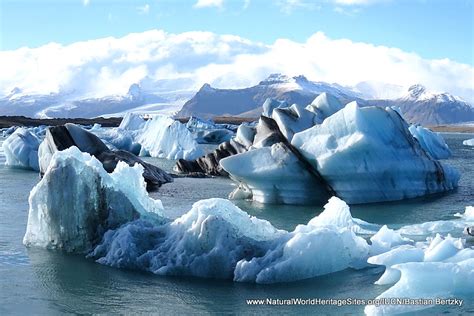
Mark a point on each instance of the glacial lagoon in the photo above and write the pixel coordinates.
(48, 282)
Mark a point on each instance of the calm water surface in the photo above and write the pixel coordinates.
(37, 281)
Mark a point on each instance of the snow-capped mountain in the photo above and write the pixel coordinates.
(67, 105)
(428, 108)
(209, 101)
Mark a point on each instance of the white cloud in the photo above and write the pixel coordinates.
(85, 2)
(188, 60)
(145, 9)
(209, 3)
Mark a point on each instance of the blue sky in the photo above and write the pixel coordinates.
(432, 29)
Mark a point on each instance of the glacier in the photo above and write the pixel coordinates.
(431, 142)
(21, 149)
(368, 155)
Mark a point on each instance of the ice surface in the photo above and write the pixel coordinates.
(21, 149)
(430, 141)
(274, 175)
(368, 155)
(132, 121)
(118, 138)
(270, 104)
(440, 268)
(468, 142)
(324, 106)
(293, 119)
(164, 137)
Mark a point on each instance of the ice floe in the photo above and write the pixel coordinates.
(468, 142)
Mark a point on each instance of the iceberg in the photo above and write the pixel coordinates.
(433, 143)
(368, 155)
(59, 138)
(270, 104)
(216, 136)
(77, 201)
(21, 149)
(468, 142)
(163, 137)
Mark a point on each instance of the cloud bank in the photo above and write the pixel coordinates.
(186, 61)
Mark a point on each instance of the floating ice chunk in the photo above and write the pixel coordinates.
(77, 201)
(21, 149)
(468, 142)
(368, 155)
(216, 239)
(385, 239)
(427, 280)
(424, 271)
(430, 141)
(324, 106)
(443, 227)
(164, 137)
(337, 214)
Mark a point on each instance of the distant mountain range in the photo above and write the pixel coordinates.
(418, 105)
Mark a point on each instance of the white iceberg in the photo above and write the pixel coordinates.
(216, 239)
(368, 155)
(77, 201)
(21, 149)
(163, 137)
(468, 142)
(430, 141)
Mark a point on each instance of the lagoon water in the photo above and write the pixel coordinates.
(38, 281)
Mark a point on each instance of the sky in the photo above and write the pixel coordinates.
(101, 47)
(433, 29)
